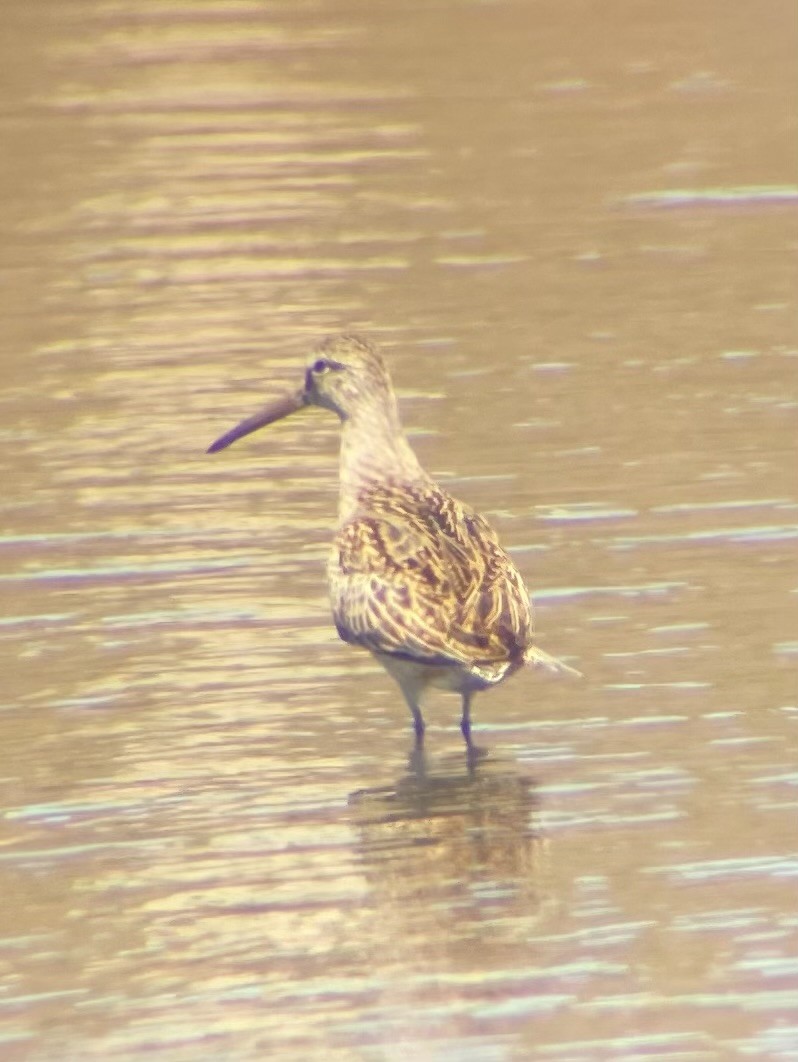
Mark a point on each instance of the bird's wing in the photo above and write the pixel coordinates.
(417, 574)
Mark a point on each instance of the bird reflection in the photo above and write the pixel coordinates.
(449, 849)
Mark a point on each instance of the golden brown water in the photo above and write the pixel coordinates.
(574, 229)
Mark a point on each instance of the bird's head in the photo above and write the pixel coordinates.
(344, 373)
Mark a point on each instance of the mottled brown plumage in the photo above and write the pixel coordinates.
(416, 573)
(415, 576)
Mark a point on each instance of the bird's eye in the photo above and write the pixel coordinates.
(321, 366)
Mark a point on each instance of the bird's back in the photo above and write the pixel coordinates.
(416, 574)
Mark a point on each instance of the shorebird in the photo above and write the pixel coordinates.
(415, 576)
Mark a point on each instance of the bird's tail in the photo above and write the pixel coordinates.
(537, 657)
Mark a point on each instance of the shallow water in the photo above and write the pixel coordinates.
(574, 232)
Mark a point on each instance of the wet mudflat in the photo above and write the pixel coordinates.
(574, 232)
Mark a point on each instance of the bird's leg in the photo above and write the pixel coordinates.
(410, 691)
(465, 719)
(411, 698)
(411, 684)
(418, 723)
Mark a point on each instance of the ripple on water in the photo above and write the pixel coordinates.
(781, 868)
(747, 196)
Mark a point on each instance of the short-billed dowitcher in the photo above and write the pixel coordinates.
(415, 576)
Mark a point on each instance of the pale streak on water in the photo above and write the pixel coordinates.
(575, 233)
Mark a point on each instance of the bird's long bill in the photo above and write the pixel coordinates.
(281, 407)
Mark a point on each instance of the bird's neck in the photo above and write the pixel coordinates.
(374, 450)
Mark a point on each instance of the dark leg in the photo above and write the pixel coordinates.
(465, 719)
(418, 723)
